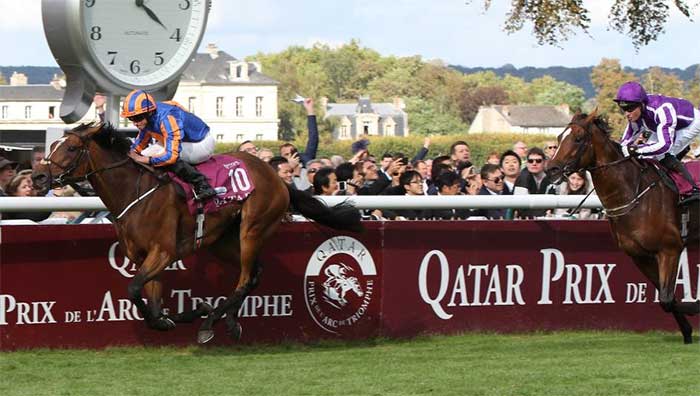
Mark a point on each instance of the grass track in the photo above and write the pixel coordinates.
(561, 363)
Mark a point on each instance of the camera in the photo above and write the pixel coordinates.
(342, 185)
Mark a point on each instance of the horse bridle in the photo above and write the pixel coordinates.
(64, 177)
(569, 166)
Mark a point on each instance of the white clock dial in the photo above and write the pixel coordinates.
(142, 42)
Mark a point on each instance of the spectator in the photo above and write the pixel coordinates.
(38, 154)
(510, 165)
(311, 168)
(412, 184)
(326, 162)
(576, 184)
(460, 152)
(492, 178)
(376, 181)
(534, 179)
(249, 147)
(520, 148)
(420, 155)
(325, 182)
(65, 191)
(550, 147)
(471, 180)
(283, 169)
(296, 159)
(386, 160)
(336, 160)
(449, 183)
(7, 172)
(493, 158)
(21, 186)
(350, 178)
(265, 154)
(361, 145)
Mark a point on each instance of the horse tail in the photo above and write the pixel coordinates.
(343, 216)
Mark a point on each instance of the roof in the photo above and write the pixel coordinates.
(30, 93)
(208, 70)
(534, 116)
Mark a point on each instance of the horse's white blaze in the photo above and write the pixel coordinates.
(59, 142)
(564, 135)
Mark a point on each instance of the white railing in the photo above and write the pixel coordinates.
(23, 204)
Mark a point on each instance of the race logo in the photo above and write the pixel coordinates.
(339, 283)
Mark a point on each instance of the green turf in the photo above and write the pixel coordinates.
(562, 363)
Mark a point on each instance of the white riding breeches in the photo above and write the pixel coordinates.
(197, 152)
(686, 135)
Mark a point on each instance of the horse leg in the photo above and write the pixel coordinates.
(233, 327)
(668, 269)
(152, 266)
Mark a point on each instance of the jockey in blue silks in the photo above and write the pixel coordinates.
(181, 138)
(669, 124)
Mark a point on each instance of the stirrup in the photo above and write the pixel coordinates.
(203, 195)
(694, 196)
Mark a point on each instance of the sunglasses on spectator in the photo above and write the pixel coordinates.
(534, 160)
(137, 118)
(497, 179)
(552, 147)
(629, 107)
(312, 170)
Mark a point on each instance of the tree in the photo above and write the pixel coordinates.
(692, 90)
(471, 100)
(656, 81)
(607, 77)
(555, 21)
(2, 79)
(548, 91)
(425, 119)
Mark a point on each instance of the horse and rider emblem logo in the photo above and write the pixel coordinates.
(339, 283)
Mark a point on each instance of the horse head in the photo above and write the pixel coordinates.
(72, 158)
(577, 144)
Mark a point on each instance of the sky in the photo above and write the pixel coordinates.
(455, 31)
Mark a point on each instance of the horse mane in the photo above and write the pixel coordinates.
(108, 137)
(600, 122)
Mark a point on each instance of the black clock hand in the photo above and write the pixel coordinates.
(151, 14)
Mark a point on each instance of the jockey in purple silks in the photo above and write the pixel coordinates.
(669, 124)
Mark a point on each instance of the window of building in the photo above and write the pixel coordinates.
(259, 136)
(343, 131)
(219, 106)
(5, 111)
(258, 106)
(220, 137)
(52, 110)
(27, 112)
(239, 137)
(239, 71)
(190, 104)
(239, 106)
(389, 130)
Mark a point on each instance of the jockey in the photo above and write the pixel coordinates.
(181, 138)
(669, 124)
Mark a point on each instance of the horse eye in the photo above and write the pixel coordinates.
(579, 139)
(72, 148)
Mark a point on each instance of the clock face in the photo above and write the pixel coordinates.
(142, 42)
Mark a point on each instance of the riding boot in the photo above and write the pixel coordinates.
(672, 162)
(190, 174)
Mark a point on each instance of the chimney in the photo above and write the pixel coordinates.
(399, 104)
(257, 66)
(58, 82)
(18, 79)
(212, 50)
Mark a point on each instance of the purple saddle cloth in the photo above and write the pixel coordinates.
(228, 175)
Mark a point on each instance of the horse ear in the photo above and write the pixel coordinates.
(591, 117)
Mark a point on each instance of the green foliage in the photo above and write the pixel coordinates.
(692, 88)
(607, 77)
(481, 144)
(426, 119)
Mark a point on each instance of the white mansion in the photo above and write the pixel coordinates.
(232, 96)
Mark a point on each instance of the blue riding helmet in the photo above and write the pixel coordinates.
(632, 92)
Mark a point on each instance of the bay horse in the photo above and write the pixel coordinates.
(158, 229)
(643, 211)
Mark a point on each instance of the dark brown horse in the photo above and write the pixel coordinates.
(643, 211)
(158, 229)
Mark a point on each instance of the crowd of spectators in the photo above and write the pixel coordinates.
(520, 170)
(516, 171)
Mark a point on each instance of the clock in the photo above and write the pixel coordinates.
(114, 46)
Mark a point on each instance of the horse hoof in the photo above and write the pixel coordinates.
(687, 340)
(204, 336)
(164, 323)
(236, 332)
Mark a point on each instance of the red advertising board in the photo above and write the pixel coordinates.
(65, 286)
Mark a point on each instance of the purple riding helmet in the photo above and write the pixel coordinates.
(631, 91)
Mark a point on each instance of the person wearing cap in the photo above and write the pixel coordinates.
(7, 172)
(670, 124)
(183, 139)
